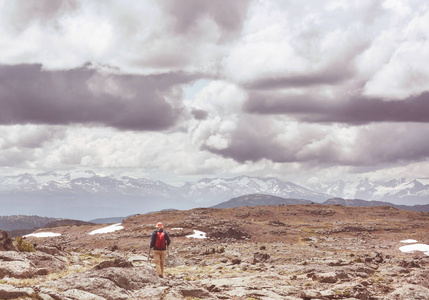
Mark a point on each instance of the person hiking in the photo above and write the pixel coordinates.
(159, 242)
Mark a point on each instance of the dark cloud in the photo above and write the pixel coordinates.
(229, 15)
(383, 144)
(253, 145)
(199, 114)
(304, 80)
(357, 110)
(28, 94)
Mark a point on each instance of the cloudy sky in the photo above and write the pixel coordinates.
(305, 91)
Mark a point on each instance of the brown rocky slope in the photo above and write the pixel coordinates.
(266, 252)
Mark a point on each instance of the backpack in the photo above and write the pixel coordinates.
(160, 240)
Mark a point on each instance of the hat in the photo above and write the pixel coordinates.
(159, 225)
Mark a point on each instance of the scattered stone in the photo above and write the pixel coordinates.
(6, 243)
(410, 263)
(409, 291)
(260, 257)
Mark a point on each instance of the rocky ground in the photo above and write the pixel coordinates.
(268, 252)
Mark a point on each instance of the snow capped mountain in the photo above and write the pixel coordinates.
(215, 190)
(397, 191)
(87, 195)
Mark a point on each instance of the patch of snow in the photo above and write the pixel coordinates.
(107, 229)
(415, 247)
(409, 241)
(43, 234)
(197, 235)
(176, 228)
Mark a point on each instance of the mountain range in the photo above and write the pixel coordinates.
(260, 200)
(87, 195)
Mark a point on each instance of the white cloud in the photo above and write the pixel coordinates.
(404, 73)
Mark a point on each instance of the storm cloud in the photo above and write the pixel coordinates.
(29, 94)
(355, 110)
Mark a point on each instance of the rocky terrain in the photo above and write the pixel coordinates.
(266, 252)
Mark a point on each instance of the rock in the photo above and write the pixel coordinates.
(409, 263)
(6, 243)
(409, 291)
(11, 256)
(11, 292)
(310, 294)
(41, 271)
(236, 261)
(110, 283)
(260, 257)
(171, 295)
(378, 258)
(325, 277)
(16, 269)
(45, 297)
(153, 293)
(199, 293)
(48, 249)
(75, 294)
(117, 263)
(47, 261)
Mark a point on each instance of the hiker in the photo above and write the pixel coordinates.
(159, 242)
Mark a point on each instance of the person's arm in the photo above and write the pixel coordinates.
(152, 240)
(167, 238)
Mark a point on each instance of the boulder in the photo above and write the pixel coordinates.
(46, 261)
(6, 243)
(11, 292)
(117, 263)
(75, 294)
(110, 283)
(193, 292)
(409, 291)
(260, 257)
(48, 249)
(11, 256)
(410, 263)
(330, 277)
(16, 269)
(310, 294)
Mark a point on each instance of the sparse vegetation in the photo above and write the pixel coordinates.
(214, 250)
(23, 245)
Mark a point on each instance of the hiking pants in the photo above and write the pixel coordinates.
(159, 259)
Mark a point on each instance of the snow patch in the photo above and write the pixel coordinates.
(415, 247)
(43, 234)
(176, 228)
(197, 235)
(107, 229)
(409, 241)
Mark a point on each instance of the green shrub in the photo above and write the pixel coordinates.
(23, 245)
